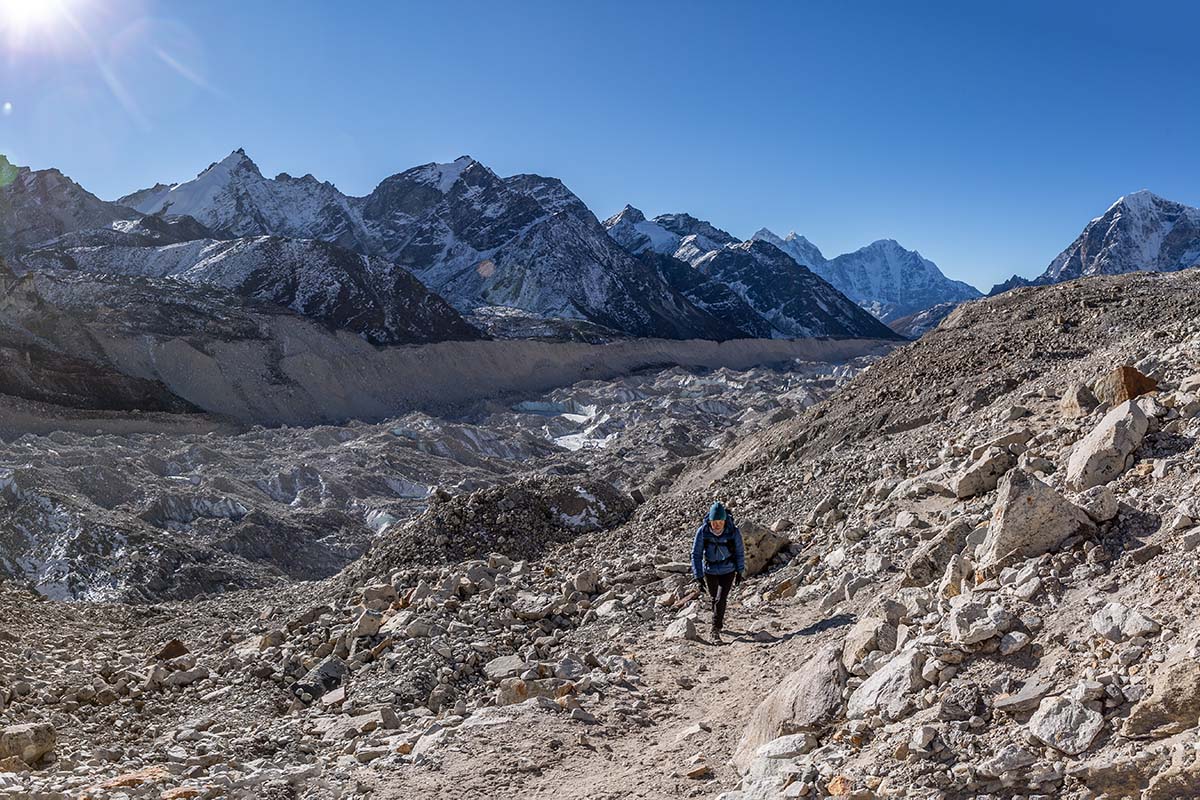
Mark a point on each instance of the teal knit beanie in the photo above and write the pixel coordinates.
(717, 511)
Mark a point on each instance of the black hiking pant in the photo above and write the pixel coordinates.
(719, 587)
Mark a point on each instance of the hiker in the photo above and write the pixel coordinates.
(718, 561)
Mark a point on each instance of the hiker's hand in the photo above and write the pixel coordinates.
(738, 577)
(700, 583)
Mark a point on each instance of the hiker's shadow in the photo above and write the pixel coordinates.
(766, 637)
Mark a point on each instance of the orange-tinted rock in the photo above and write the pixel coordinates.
(1123, 383)
(840, 786)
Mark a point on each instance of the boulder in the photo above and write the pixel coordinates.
(1118, 623)
(321, 679)
(1029, 519)
(28, 742)
(1173, 704)
(1067, 725)
(1099, 503)
(1106, 452)
(1023, 701)
(805, 701)
(1078, 401)
(761, 545)
(983, 474)
(1122, 385)
(869, 633)
(531, 606)
(889, 692)
(928, 562)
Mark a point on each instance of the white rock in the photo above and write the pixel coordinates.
(889, 692)
(1118, 623)
(1029, 519)
(1105, 453)
(682, 628)
(1066, 725)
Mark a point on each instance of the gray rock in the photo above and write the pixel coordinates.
(1024, 700)
(972, 621)
(1029, 519)
(1067, 725)
(1118, 623)
(805, 701)
(889, 692)
(1105, 453)
(1099, 503)
(503, 667)
(1009, 758)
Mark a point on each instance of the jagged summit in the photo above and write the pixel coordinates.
(883, 277)
(628, 214)
(799, 248)
(1140, 232)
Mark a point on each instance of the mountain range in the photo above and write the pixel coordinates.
(884, 278)
(440, 251)
(455, 251)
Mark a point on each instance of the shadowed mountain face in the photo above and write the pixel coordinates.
(38, 205)
(369, 296)
(791, 298)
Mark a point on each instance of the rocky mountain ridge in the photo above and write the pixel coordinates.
(520, 256)
(1140, 232)
(884, 278)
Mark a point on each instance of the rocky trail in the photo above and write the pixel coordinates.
(972, 576)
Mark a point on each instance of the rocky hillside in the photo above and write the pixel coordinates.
(1141, 232)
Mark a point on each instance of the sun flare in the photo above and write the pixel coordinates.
(31, 20)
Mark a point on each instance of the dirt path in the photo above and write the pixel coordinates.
(538, 755)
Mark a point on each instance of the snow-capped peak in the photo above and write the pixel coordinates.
(444, 176)
(1139, 232)
(800, 249)
(628, 214)
(1143, 198)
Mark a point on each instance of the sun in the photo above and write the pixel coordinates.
(26, 21)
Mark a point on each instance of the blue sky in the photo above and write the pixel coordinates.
(983, 135)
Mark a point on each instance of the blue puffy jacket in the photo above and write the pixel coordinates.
(718, 555)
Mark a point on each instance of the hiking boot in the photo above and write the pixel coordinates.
(715, 635)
